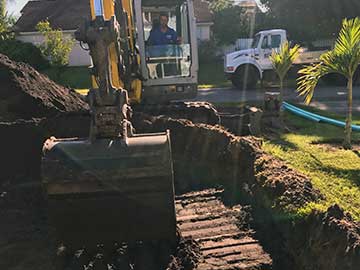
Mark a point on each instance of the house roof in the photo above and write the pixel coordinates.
(63, 14)
(68, 14)
(202, 11)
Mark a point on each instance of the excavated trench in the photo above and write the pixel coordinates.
(228, 192)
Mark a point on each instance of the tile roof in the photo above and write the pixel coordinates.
(68, 14)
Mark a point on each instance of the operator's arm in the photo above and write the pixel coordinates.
(175, 38)
(152, 38)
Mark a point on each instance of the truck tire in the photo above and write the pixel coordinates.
(245, 77)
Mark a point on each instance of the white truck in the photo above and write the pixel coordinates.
(246, 67)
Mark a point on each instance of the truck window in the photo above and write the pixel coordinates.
(275, 41)
(255, 42)
(265, 43)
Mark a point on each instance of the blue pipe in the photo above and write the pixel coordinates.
(316, 117)
(300, 113)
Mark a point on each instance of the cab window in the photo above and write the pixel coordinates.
(168, 54)
(275, 41)
(265, 43)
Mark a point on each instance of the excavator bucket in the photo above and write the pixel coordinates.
(110, 190)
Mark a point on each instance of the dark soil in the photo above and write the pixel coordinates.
(329, 240)
(27, 240)
(26, 94)
(204, 156)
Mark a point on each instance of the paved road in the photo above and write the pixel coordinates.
(326, 98)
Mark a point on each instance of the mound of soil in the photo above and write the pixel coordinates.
(26, 94)
(283, 186)
(211, 153)
(329, 240)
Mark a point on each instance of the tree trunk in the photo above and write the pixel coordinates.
(348, 128)
(281, 91)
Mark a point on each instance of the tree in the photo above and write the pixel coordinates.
(344, 59)
(282, 62)
(55, 47)
(218, 5)
(6, 22)
(309, 20)
(231, 22)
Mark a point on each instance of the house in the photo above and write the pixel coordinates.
(68, 14)
(64, 14)
(204, 20)
(250, 6)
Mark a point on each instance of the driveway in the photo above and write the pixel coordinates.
(326, 98)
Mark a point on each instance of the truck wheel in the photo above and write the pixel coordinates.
(245, 77)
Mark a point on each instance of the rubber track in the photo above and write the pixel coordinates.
(224, 246)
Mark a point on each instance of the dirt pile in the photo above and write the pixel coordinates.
(26, 94)
(187, 255)
(215, 156)
(329, 240)
(283, 186)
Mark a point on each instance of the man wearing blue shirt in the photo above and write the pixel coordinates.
(163, 34)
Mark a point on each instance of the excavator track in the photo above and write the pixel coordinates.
(224, 244)
(197, 112)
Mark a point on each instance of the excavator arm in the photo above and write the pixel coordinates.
(114, 186)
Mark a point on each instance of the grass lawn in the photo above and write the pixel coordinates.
(211, 75)
(73, 77)
(335, 172)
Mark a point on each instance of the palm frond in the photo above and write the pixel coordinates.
(283, 59)
(343, 59)
(310, 76)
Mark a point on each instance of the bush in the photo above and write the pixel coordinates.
(24, 52)
(207, 51)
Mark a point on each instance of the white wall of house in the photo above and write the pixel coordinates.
(203, 31)
(81, 57)
(78, 56)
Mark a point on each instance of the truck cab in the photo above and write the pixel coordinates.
(245, 67)
(169, 71)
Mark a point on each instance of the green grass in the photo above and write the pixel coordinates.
(73, 77)
(211, 75)
(335, 172)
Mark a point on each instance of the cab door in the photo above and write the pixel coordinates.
(269, 43)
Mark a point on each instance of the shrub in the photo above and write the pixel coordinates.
(24, 52)
(207, 51)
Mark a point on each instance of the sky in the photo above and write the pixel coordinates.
(14, 6)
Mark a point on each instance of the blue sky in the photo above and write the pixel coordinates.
(14, 6)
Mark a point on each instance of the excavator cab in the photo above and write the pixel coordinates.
(114, 186)
(169, 65)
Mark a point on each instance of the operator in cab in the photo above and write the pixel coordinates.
(162, 34)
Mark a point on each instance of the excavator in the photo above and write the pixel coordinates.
(117, 186)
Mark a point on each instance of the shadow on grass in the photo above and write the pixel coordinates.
(351, 174)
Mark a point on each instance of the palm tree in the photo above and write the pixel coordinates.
(344, 59)
(282, 61)
(3, 7)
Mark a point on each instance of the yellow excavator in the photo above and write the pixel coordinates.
(117, 186)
